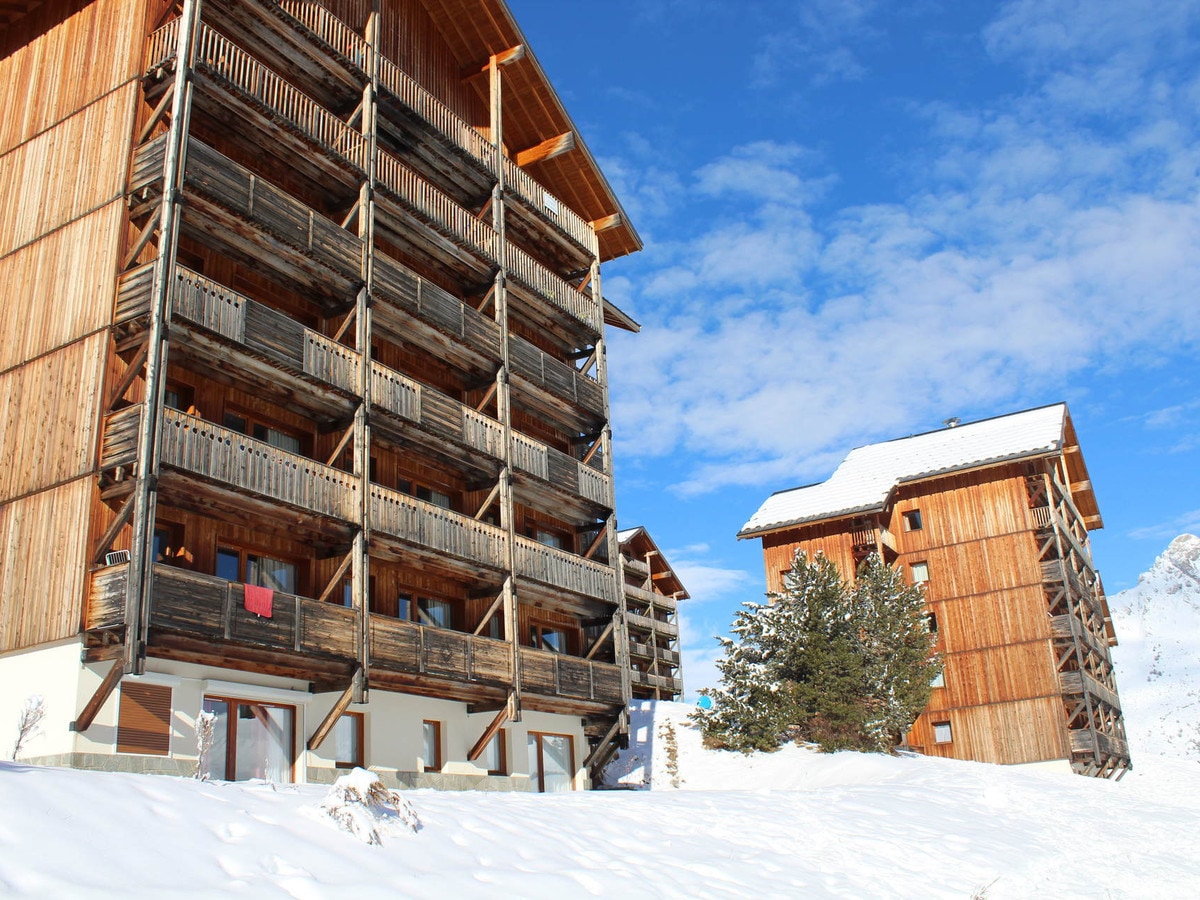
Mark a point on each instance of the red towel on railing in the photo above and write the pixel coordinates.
(258, 600)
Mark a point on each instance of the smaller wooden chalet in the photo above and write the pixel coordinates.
(992, 518)
(652, 595)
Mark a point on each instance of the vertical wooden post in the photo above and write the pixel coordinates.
(141, 566)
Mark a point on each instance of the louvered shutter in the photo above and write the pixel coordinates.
(144, 724)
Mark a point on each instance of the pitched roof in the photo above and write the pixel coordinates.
(866, 477)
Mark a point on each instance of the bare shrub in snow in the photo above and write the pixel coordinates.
(205, 734)
(29, 722)
(671, 744)
(360, 804)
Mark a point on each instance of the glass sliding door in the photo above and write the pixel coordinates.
(251, 740)
(552, 761)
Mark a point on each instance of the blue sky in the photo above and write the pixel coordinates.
(864, 217)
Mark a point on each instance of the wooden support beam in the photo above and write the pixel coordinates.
(587, 457)
(346, 323)
(608, 629)
(130, 373)
(491, 611)
(604, 742)
(587, 366)
(491, 497)
(336, 712)
(350, 216)
(143, 238)
(337, 577)
(503, 58)
(606, 223)
(487, 207)
(487, 398)
(595, 543)
(337, 451)
(111, 532)
(489, 733)
(157, 114)
(547, 149)
(107, 686)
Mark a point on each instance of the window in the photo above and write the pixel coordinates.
(434, 612)
(551, 761)
(931, 623)
(429, 495)
(550, 539)
(168, 544)
(912, 520)
(495, 754)
(920, 572)
(546, 637)
(250, 740)
(178, 396)
(261, 431)
(252, 568)
(942, 733)
(939, 680)
(346, 740)
(432, 750)
(144, 719)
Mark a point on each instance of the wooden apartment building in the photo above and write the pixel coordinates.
(303, 394)
(652, 595)
(992, 518)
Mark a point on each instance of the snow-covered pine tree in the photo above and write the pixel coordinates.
(846, 667)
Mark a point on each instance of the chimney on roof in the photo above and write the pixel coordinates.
(952, 422)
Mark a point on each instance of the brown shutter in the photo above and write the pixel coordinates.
(144, 725)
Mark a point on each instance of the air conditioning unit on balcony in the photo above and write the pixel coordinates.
(116, 557)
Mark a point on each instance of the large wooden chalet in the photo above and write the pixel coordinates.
(993, 519)
(303, 394)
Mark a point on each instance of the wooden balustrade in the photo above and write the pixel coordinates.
(527, 271)
(329, 29)
(649, 651)
(163, 42)
(402, 646)
(526, 188)
(1087, 740)
(436, 208)
(661, 682)
(208, 450)
(215, 176)
(428, 526)
(214, 609)
(219, 57)
(650, 598)
(636, 566)
(560, 569)
(1074, 683)
(134, 291)
(119, 445)
(554, 376)
(559, 675)
(649, 623)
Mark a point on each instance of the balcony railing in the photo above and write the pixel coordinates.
(427, 526)
(1086, 740)
(558, 675)
(661, 682)
(554, 376)
(329, 29)
(408, 399)
(219, 454)
(401, 646)
(214, 609)
(1075, 683)
(650, 598)
(559, 569)
(219, 57)
(559, 469)
(649, 623)
(649, 651)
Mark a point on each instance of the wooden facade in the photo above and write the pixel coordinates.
(315, 284)
(1019, 609)
(652, 595)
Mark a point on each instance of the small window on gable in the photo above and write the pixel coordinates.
(144, 719)
(912, 520)
(942, 733)
(920, 572)
(939, 680)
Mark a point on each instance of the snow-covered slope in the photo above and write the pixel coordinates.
(1158, 655)
(789, 824)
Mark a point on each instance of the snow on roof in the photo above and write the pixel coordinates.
(626, 533)
(868, 474)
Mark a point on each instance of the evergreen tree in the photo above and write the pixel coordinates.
(825, 662)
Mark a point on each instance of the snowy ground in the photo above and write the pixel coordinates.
(790, 824)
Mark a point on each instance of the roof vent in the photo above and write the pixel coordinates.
(951, 422)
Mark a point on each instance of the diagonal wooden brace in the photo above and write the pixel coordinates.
(107, 686)
(339, 708)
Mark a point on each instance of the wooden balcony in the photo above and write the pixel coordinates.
(1089, 741)
(559, 569)
(401, 646)
(212, 609)
(656, 682)
(637, 567)
(648, 598)
(538, 370)
(648, 623)
(558, 675)
(426, 527)
(260, 330)
(649, 651)
(1078, 683)
(563, 472)
(191, 444)
(1068, 627)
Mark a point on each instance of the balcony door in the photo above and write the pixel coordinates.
(251, 740)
